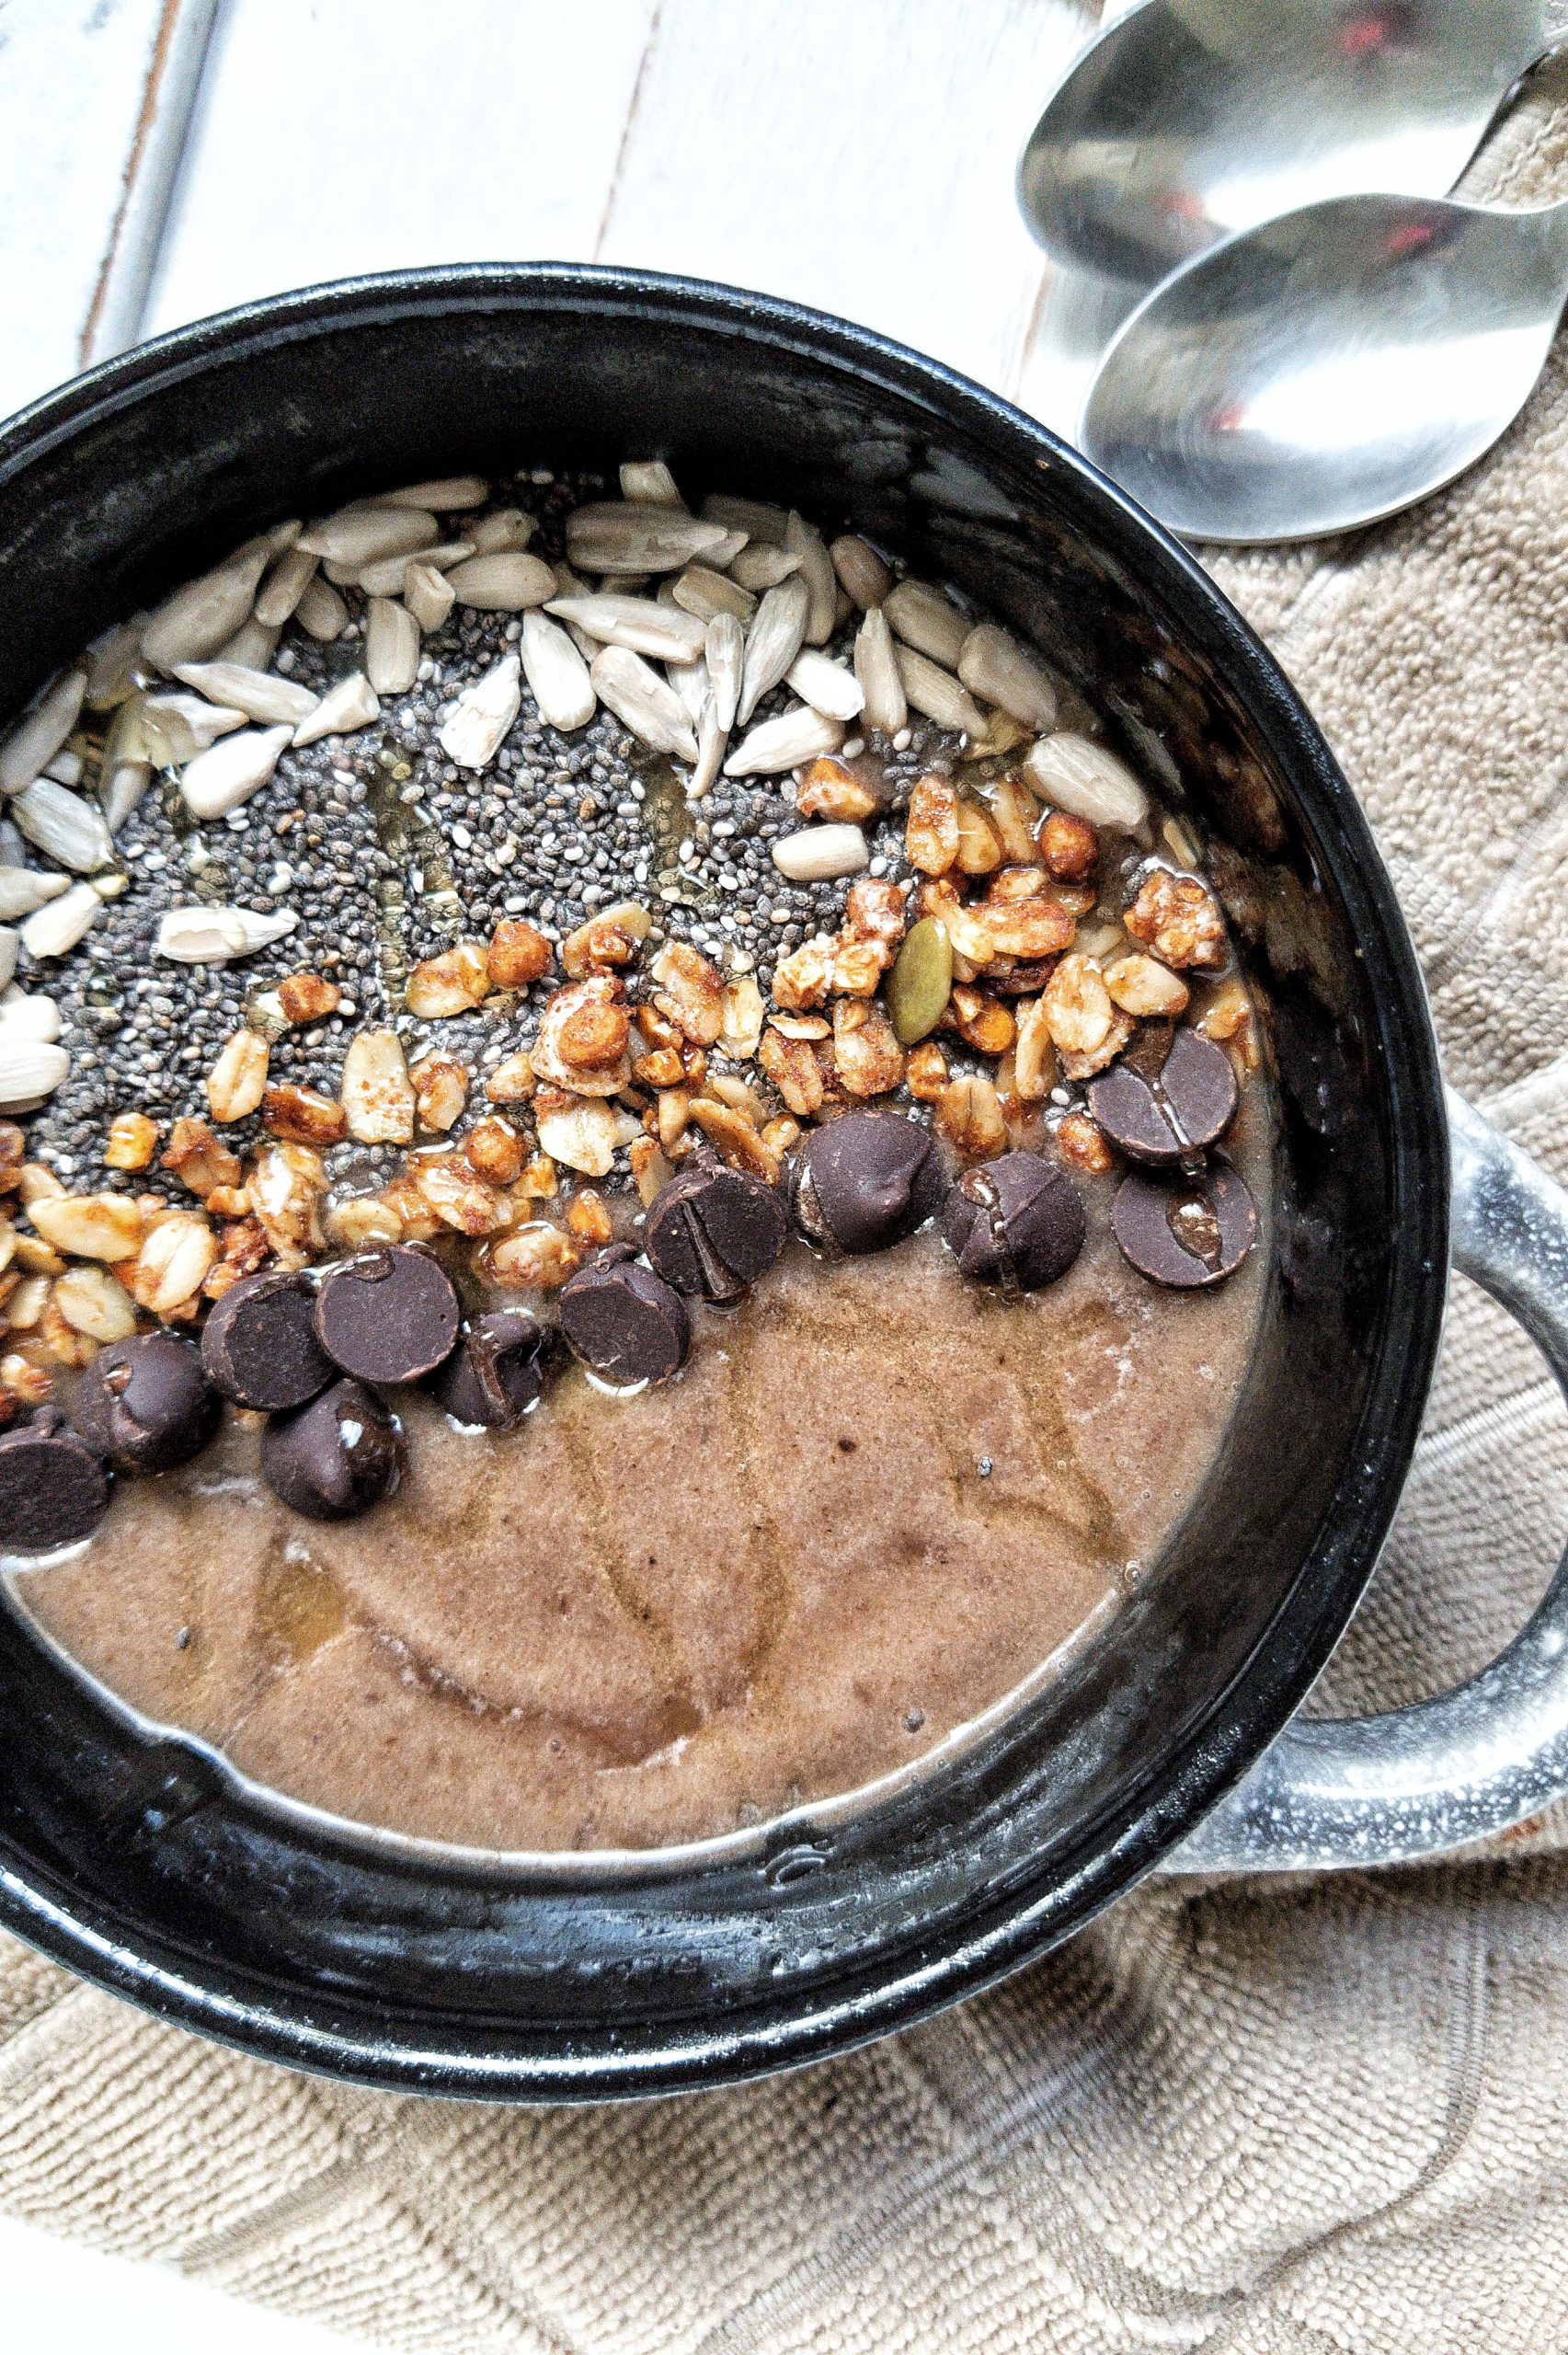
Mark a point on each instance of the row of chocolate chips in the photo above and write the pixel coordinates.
(306, 1351)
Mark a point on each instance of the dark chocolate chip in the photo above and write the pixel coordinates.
(1162, 1101)
(623, 1321)
(260, 1346)
(336, 1457)
(1186, 1231)
(53, 1488)
(497, 1371)
(864, 1181)
(146, 1402)
(1017, 1221)
(713, 1231)
(391, 1315)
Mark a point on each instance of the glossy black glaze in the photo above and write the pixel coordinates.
(139, 1865)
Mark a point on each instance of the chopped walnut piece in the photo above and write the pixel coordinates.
(1070, 847)
(301, 1116)
(454, 983)
(362, 1220)
(459, 1198)
(1034, 1052)
(609, 938)
(793, 1070)
(440, 1091)
(517, 956)
(133, 1141)
(513, 1081)
(663, 1068)
(743, 1017)
(651, 1169)
(736, 1137)
(376, 1091)
(171, 1267)
(308, 997)
(238, 1081)
(981, 1021)
(1143, 986)
(874, 912)
(858, 966)
(539, 1256)
(1015, 813)
(495, 1148)
(803, 979)
(926, 1075)
(285, 1186)
(539, 1180)
(980, 849)
(198, 1158)
(588, 1218)
(657, 1030)
(968, 1114)
(930, 831)
(583, 1038)
(1079, 1012)
(691, 992)
(1082, 1144)
(241, 1249)
(1175, 916)
(868, 1055)
(831, 790)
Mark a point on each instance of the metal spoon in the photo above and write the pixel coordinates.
(1329, 368)
(1192, 119)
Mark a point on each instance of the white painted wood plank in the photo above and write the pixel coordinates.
(334, 136)
(73, 78)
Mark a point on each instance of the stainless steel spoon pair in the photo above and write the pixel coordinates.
(1337, 363)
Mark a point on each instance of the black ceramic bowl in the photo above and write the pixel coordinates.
(139, 1866)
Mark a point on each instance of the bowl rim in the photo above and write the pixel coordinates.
(1267, 1689)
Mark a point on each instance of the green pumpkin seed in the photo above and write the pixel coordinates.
(920, 981)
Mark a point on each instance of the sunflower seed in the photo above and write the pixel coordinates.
(203, 615)
(58, 927)
(634, 535)
(473, 732)
(448, 496)
(212, 936)
(29, 1070)
(691, 683)
(111, 662)
(66, 768)
(392, 646)
(865, 579)
(428, 595)
(936, 693)
(33, 744)
(123, 784)
(63, 826)
(252, 646)
(219, 780)
(821, 853)
(284, 586)
(641, 622)
(256, 693)
(759, 568)
(174, 728)
(23, 888)
(753, 516)
(725, 652)
(1073, 772)
(651, 484)
(706, 593)
(782, 743)
(9, 944)
(995, 667)
(828, 686)
(388, 576)
(508, 528)
(712, 738)
(876, 668)
(642, 702)
(773, 642)
(504, 583)
(572, 584)
(803, 540)
(322, 611)
(557, 675)
(928, 621)
(351, 703)
(357, 536)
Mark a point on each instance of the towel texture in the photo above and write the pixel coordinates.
(1272, 2121)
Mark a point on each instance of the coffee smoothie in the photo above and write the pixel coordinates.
(635, 1172)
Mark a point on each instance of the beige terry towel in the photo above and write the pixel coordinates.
(1319, 2116)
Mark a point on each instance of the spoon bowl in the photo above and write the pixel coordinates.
(1329, 368)
(1190, 119)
